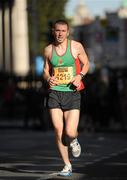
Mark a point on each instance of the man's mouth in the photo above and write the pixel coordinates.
(60, 38)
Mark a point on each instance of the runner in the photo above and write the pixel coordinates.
(64, 73)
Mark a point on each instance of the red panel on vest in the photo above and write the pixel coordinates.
(78, 70)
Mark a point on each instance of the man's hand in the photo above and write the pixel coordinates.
(53, 81)
(76, 80)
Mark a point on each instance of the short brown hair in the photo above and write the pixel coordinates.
(61, 21)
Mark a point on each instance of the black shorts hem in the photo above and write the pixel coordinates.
(64, 109)
(64, 100)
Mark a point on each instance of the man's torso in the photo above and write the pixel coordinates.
(63, 68)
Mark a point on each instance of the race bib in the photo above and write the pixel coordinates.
(63, 74)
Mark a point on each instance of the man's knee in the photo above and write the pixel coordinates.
(71, 133)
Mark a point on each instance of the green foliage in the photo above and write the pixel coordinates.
(124, 3)
(41, 13)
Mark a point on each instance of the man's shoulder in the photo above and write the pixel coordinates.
(75, 43)
(48, 50)
(48, 47)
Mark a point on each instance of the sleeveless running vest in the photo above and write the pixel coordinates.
(63, 68)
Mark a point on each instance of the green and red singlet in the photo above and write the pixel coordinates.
(64, 68)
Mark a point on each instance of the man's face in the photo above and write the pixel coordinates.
(60, 32)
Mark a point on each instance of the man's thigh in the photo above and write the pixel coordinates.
(57, 118)
(72, 119)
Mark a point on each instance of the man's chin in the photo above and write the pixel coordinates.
(60, 40)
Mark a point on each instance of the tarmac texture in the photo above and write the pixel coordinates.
(33, 155)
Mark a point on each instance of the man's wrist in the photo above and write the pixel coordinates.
(82, 75)
(48, 79)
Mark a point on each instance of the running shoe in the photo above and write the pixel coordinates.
(67, 171)
(75, 147)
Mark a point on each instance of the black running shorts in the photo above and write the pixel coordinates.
(64, 100)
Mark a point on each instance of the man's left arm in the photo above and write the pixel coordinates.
(83, 58)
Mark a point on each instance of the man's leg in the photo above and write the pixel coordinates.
(58, 123)
(71, 122)
(71, 129)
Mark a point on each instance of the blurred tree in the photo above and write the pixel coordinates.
(41, 14)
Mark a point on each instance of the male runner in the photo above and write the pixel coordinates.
(62, 71)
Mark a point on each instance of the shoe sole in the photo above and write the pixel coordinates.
(64, 174)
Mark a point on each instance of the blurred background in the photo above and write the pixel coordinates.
(25, 29)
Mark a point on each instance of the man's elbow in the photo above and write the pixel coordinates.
(44, 73)
(88, 65)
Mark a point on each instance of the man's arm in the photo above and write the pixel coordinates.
(46, 71)
(83, 59)
(52, 81)
(82, 56)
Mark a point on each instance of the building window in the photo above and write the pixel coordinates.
(112, 34)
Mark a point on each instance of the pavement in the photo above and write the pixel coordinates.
(33, 155)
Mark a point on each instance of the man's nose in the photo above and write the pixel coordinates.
(60, 33)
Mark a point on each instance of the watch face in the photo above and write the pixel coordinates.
(82, 75)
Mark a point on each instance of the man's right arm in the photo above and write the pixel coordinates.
(46, 71)
(52, 81)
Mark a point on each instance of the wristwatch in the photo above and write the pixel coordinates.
(48, 79)
(81, 74)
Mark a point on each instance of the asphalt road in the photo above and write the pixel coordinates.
(32, 155)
